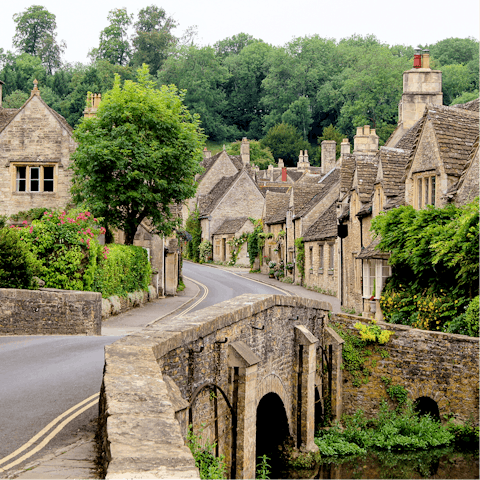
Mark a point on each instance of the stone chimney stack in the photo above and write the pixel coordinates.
(303, 160)
(93, 102)
(329, 154)
(280, 163)
(206, 153)
(426, 58)
(344, 147)
(35, 90)
(270, 173)
(245, 151)
(365, 141)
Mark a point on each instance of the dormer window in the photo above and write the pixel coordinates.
(34, 179)
(425, 189)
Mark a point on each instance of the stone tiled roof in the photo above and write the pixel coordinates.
(325, 227)
(6, 114)
(366, 176)
(294, 174)
(365, 210)
(230, 226)
(347, 171)
(207, 163)
(407, 142)
(274, 188)
(210, 201)
(472, 106)
(302, 196)
(372, 252)
(310, 178)
(327, 182)
(394, 202)
(393, 162)
(276, 206)
(456, 131)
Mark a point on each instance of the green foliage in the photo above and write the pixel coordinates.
(255, 241)
(194, 228)
(398, 393)
(209, 466)
(285, 141)
(466, 433)
(114, 45)
(330, 133)
(205, 251)
(35, 34)
(260, 156)
(471, 317)
(373, 333)
(263, 468)
(392, 430)
(15, 100)
(236, 245)
(32, 214)
(17, 264)
(138, 155)
(123, 269)
(300, 251)
(65, 248)
(181, 286)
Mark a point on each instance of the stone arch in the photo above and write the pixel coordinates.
(430, 391)
(272, 383)
(424, 405)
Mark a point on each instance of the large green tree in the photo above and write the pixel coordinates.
(35, 34)
(139, 155)
(114, 44)
(153, 38)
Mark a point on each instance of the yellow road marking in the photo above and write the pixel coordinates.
(44, 431)
(200, 300)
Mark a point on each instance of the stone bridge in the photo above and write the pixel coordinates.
(254, 371)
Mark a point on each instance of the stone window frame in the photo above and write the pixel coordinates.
(321, 253)
(425, 189)
(28, 178)
(310, 250)
(378, 269)
(331, 258)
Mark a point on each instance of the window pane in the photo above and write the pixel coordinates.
(48, 179)
(433, 191)
(311, 257)
(34, 179)
(321, 256)
(426, 192)
(332, 251)
(420, 193)
(21, 178)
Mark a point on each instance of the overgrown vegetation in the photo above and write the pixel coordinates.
(194, 228)
(255, 241)
(235, 246)
(210, 467)
(300, 259)
(429, 248)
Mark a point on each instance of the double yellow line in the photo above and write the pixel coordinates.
(200, 300)
(90, 402)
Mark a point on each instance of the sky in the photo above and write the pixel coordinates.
(409, 22)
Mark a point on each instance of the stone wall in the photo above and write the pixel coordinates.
(151, 377)
(49, 311)
(317, 272)
(441, 366)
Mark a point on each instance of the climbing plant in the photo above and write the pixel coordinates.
(300, 249)
(255, 242)
(236, 243)
(194, 228)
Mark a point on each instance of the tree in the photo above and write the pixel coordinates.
(454, 50)
(331, 133)
(299, 114)
(260, 156)
(285, 142)
(35, 34)
(153, 38)
(139, 155)
(114, 43)
(15, 100)
(233, 45)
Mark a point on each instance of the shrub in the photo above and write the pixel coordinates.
(205, 250)
(471, 319)
(125, 269)
(17, 264)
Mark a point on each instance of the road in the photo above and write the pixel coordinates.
(41, 377)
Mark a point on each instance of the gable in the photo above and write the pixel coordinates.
(427, 155)
(219, 166)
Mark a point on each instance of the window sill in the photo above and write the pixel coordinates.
(33, 193)
(320, 271)
(330, 271)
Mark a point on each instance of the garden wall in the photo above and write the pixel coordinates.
(441, 366)
(49, 311)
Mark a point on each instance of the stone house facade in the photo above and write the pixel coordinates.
(229, 229)
(35, 147)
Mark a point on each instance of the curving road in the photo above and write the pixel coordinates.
(41, 377)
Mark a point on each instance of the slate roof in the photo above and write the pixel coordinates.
(294, 174)
(6, 115)
(407, 142)
(372, 252)
(472, 106)
(394, 202)
(393, 161)
(347, 171)
(208, 202)
(365, 210)
(310, 178)
(230, 226)
(207, 163)
(274, 188)
(276, 206)
(324, 227)
(366, 176)
(456, 131)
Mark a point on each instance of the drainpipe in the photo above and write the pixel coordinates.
(341, 271)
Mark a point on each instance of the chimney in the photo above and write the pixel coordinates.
(426, 58)
(284, 174)
(329, 153)
(206, 153)
(305, 158)
(270, 173)
(245, 151)
(417, 58)
(280, 163)
(366, 140)
(93, 102)
(344, 147)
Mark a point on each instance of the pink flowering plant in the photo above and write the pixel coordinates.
(66, 248)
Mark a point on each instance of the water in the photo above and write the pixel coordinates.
(447, 462)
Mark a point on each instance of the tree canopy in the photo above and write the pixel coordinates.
(138, 155)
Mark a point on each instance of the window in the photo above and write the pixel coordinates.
(311, 257)
(34, 178)
(332, 256)
(375, 274)
(320, 255)
(425, 184)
